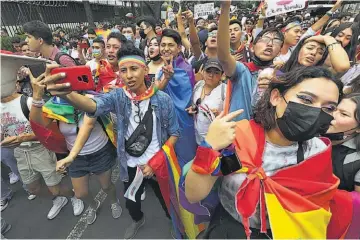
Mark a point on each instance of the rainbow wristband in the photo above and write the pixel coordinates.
(207, 161)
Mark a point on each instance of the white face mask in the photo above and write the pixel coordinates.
(128, 37)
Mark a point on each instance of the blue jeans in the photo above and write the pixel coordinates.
(7, 157)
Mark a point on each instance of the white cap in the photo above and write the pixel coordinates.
(10, 64)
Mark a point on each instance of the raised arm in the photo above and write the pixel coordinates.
(321, 22)
(181, 30)
(194, 38)
(223, 37)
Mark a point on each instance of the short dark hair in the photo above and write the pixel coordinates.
(56, 35)
(172, 34)
(15, 39)
(128, 49)
(235, 21)
(23, 43)
(264, 111)
(132, 26)
(121, 38)
(272, 30)
(91, 31)
(99, 40)
(39, 29)
(149, 21)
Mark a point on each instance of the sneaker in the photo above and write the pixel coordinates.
(58, 204)
(116, 210)
(31, 196)
(91, 216)
(143, 195)
(4, 203)
(132, 230)
(13, 178)
(5, 227)
(78, 206)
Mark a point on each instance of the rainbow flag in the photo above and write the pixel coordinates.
(302, 201)
(59, 110)
(168, 173)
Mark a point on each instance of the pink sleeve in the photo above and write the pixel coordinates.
(66, 61)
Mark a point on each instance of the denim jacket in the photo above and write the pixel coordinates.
(118, 103)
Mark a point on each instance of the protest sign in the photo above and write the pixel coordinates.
(203, 10)
(277, 7)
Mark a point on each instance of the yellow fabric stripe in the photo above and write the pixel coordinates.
(303, 225)
(51, 115)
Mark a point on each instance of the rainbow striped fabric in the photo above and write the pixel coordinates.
(168, 173)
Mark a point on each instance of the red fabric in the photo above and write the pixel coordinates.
(106, 74)
(299, 188)
(50, 137)
(158, 164)
(204, 159)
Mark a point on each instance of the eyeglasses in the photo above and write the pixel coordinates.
(212, 71)
(274, 41)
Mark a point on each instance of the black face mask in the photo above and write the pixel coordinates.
(57, 43)
(142, 33)
(301, 122)
(156, 58)
(337, 136)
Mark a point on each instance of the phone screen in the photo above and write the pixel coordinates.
(230, 164)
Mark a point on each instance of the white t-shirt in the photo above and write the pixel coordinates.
(285, 57)
(274, 158)
(214, 101)
(13, 120)
(93, 65)
(154, 146)
(97, 139)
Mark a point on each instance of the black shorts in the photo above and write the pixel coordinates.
(97, 163)
(224, 226)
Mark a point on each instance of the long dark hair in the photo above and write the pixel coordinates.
(351, 47)
(264, 111)
(355, 97)
(293, 61)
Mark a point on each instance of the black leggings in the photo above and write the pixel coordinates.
(224, 226)
(135, 207)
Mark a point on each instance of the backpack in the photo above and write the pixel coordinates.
(60, 54)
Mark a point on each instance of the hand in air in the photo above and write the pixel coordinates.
(221, 131)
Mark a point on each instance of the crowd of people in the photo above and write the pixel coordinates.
(260, 116)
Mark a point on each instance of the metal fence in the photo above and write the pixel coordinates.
(67, 14)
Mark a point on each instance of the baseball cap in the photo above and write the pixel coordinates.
(213, 63)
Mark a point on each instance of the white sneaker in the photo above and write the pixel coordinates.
(58, 204)
(13, 178)
(78, 206)
(143, 195)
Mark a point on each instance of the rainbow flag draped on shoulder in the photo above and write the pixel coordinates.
(59, 110)
(302, 201)
(168, 172)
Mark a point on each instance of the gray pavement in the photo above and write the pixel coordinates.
(28, 218)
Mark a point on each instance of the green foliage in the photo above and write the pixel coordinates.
(5, 42)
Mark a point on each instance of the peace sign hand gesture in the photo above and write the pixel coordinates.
(168, 70)
(221, 131)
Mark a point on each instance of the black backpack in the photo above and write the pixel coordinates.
(60, 54)
(24, 107)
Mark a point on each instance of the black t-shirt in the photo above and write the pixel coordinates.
(346, 165)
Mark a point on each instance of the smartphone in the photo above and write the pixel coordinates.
(230, 164)
(79, 77)
(83, 45)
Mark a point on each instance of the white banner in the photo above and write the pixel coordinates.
(276, 7)
(203, 10)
